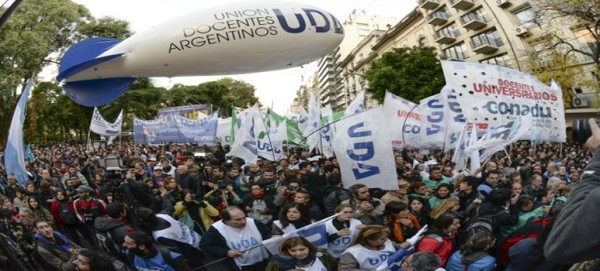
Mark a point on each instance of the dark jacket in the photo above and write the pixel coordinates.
(571, 240)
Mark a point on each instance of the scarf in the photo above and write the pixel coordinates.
(398, 227)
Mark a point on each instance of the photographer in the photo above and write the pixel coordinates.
(570, 240)
(222, 195)
(286, 193)
(366, 209)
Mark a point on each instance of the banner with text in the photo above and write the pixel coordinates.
(196, 111)
(496, 95)
(364, 150)
(404, 121)
(176, 129)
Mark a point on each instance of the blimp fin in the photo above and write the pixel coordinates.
(97, 92)
(84, 55)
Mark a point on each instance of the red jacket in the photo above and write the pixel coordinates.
(437, 243)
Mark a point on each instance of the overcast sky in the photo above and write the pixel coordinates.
(277, 88)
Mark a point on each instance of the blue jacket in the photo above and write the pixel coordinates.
(486, 263)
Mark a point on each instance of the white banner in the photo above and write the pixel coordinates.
(403, 120)
(496, 95)
(364, 150)
(100, 126)
(224, 131)
(495, 139)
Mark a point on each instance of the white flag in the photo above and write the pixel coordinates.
(454, 118)
(357, 105)
(311, 132)
(224, 131)
(100, 126)
(364, 150)
(327, 132)
(316, 233)
(433, 125)
(244, 145)
(404, 121)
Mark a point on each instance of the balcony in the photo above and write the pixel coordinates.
(462, 4)
(446, 37)
(486, 46)
(455, 56)
(474, 21)
(438, 18)
(429, 4)
(503, 3)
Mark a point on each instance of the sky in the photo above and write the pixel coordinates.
(275, 89)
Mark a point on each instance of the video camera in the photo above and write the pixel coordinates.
(582, 130)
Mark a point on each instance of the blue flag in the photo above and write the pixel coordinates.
(15, 146)
(29, 153)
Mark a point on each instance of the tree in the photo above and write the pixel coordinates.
(221, 94)
(581, 17)
(37, 29)
(411, 73)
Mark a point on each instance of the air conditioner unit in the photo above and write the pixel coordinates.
(503, 3)
(521, 31)
(579, 102)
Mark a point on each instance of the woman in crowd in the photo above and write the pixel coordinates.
(292, 217)
(473, 255)
(401, 223)
(297, 253)
(170, 185)
(440, 239)
(63, 213)
(441, 193)
(420, 209)
(195, 213)
(368, 250)
(341, 230)
(7, 204)
(450, 205)
(39, 211)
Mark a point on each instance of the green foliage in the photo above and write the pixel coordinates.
(222, 94)
(411, 73)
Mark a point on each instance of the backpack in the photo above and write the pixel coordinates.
(66, 214)
(434, 236)
(105, 240)
(481, 223)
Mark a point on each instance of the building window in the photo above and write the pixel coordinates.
(527, 15)
(448, 31)
(478, 15)
(422, 42)
(487, 38)
(458, 51)
(501, 60)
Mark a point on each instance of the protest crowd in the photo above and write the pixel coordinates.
(165, 209)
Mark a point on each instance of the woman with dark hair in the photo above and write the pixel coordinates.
(64, 214)
(292, 217)
(39, 211)
(442, 192)
(297, 253)
(368, 249)
(342, 229)
(440, 239)
(400, 221)
(473, 255)
(420, 209)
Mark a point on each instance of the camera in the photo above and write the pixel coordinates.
(291, 188)
(222, 184)
(373, 202)
(581, 130)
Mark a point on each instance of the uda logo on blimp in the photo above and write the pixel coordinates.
(319, 20)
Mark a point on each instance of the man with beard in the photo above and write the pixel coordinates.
(144, 255)
(268, 181)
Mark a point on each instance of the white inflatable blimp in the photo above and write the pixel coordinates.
(239, 38)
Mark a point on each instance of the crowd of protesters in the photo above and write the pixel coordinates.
(168, 208)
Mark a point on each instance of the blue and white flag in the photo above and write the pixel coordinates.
(14, 159)
(454, 118)
(316, 233)
(364, 150)
(357, 105)
(403, 121)
(29, 153)
(244, 145)
(327, 133)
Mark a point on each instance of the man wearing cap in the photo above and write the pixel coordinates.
(87, 208)
(158, 174)
(397, 195)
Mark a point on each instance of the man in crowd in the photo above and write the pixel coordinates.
(54, 248)
(144, 255)
(243, 244)
(366, 209)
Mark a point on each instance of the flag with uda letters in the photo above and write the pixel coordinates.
(315, 233)
(364, 150)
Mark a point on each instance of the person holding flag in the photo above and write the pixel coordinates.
(342, 229)
(297, 253)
